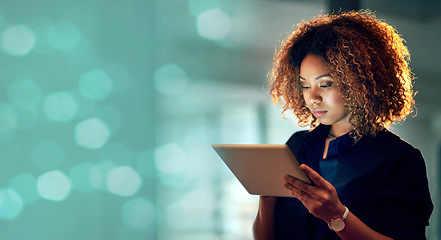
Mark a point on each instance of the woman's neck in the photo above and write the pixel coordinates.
(339, 129)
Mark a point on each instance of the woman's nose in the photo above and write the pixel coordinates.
(314, 95)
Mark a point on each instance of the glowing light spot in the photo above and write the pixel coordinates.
(54, 186)
(81, 177)
(213, 24)
(64, 36)
(92, 133)
(170, 79)
(95, 84)
(8, 118)
(195, 7)
(60, 107)
(26, 186)
(11, 204)
(47, 155)
(123, 181)
(18, 40)
(138, 213)
(170, 158)
(24, 90)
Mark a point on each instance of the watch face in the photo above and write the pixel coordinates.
(338, 225)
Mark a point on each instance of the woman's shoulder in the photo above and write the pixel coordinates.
(387, 141)
(298, 136)
(391, 151)
(297, 142)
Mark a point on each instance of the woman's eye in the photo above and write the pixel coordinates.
(305, 87)
(326, 85)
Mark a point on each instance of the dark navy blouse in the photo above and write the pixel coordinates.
(382, 180)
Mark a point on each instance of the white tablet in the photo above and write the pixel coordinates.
(260, 167)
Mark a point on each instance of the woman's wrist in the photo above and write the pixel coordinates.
(338, 214)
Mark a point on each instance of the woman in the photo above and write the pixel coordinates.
(347, 76)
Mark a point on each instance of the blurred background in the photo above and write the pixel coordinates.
(108, 109)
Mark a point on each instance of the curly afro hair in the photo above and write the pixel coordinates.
(367, 59)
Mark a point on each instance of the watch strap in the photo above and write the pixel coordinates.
(345, 215)
(339, 223)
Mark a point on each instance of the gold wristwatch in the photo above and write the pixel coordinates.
(339, 224)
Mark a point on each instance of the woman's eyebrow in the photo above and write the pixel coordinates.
(318, 77)
(322, 76)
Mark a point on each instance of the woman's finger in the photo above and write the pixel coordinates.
(298, 183)
(314, 176)
(296, 192)
(294, 189)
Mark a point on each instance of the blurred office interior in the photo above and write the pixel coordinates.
(108, 109)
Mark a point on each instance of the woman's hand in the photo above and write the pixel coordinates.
(321, 200)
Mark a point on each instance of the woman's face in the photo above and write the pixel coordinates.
(321, 93)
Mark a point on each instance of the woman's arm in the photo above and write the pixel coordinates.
(322, 201)
(264, 225)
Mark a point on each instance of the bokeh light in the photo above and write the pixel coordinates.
(17, 40)
(26, 186)
(47, 155)
(138, 213)
(64, 36)
(123, 181)
(171, 163)
(54, 186)
(95, 84)
(213, 24)
(170, 79)
(60, 107)
(11, 204)
(92, 133)
(170, 158)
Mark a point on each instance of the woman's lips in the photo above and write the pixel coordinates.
(318, 113)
